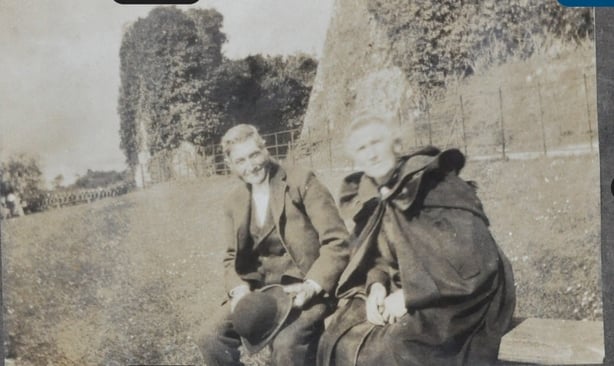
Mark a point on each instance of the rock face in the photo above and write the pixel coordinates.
(356, 74)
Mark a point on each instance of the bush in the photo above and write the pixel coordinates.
(436, 40)
(21, 175)
(95, 179)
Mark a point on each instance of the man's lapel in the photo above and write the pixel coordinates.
(278, 193)
(242, 210)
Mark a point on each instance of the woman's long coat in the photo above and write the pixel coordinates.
(458, 285)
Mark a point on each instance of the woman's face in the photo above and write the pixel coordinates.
(372, 148)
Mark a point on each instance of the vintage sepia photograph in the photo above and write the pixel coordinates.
(288, 182)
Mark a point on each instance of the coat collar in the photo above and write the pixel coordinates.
(277, 182)
(358, 189)
(243, 203)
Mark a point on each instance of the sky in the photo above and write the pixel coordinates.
(59, 69)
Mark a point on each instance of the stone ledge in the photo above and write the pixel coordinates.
(553, 342)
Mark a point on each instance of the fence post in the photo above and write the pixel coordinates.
(214, 160)
(415, 123)
(330, 148)
(460, 96)
(588, 112)
(292, 146)
(405, 143)
(276, 146)
(541, 118)
(501, 122)
(309, 147)
(161, 173)
(142, 175)
(428, 121)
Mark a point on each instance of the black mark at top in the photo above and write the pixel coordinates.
(156, 2)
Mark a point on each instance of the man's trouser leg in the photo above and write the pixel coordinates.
(297, 343)
(220, 345)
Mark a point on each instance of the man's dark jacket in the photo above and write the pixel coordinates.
(458, 285)
(308, 222)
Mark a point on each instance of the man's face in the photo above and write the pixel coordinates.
(249, 161)
(371, 147)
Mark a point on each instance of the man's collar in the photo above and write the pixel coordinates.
(275, 173)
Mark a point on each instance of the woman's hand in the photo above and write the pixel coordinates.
(394, 307)
(375, 303)
(303, 292)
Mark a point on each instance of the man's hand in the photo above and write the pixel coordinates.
(375, 303)
(236, 294)
(303, 292)
(394, 307)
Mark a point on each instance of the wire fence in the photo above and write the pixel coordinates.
(541, 118)
(208, 160)
(537, 119)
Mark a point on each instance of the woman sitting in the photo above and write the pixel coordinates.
(426, 283)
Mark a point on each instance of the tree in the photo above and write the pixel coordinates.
(21, 174)
(435, 40)
(176, 85)
(130, 93)
(95, 179)
(168, 59)
(208, 24)
(288, 86)
(269, 92)
(58, 181)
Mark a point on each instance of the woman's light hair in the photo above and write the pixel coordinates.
(368, 119)
(241, 133)
(362, 120)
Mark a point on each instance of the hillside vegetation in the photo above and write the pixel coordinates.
(546, 102)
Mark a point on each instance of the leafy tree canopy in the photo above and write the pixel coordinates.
(167, 60)
(21, 174)
(177, 86)
(96, 179)
(436, 39)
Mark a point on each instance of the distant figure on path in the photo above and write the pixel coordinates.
(282, 227)
(426, 283)
(13, 204)
(4, 210)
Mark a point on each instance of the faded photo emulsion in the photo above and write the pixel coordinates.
(285, 182)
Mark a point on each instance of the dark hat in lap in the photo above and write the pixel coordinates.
(260, 315)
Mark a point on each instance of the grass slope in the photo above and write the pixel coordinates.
(133, 279)
(122, 281)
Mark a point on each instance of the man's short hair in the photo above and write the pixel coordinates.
(241, 133)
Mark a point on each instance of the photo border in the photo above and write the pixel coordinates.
(604, 48)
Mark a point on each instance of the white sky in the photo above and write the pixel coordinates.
(59, 68)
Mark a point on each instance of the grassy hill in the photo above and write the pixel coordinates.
(128, 279)
(133, 279)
